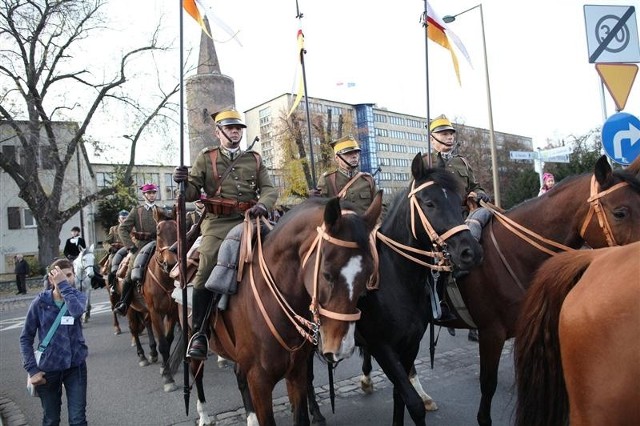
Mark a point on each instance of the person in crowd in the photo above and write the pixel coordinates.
(21, 270)
(234, 181)
(63, 362)
(443, 140)
(194, 216)
(548, 181)
(74, 244)
(140, 224)
(112, 244)
(347, 181)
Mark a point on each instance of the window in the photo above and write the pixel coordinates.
(13, 217)
(29, 221)
(104, 180)
(170, 186)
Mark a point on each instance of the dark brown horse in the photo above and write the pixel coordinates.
(596, 210)
(577, 352)
(156, 290)
(300, 289)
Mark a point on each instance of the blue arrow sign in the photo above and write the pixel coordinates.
(621, 137)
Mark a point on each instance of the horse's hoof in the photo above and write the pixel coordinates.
(319, 420)
(223, 363)
(170, 387)
(366, 385)
(143, 362)
(117, 332)
(430, 405)
(154, 359)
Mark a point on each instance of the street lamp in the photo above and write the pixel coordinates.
(492, 140)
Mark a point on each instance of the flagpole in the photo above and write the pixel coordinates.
(426, 60)
(181, 217)
(303, 51)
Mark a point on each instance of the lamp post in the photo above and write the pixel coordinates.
(492, 140)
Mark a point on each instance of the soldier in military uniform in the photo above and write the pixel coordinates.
(234, 181)
(194, 216)
(112, 244)
(443, 141)
(347, 182)
(140, 224)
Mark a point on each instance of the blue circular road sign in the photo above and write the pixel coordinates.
(621, 137)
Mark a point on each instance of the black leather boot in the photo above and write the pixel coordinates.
(122, 306)
(199, 345)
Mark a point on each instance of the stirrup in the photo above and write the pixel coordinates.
(193, 349)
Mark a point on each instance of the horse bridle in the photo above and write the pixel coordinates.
(441, 255)
(595, 206)
(309, 330)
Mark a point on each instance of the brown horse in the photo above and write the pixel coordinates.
(597, 210)
(156, 290)
(300, 289)
(577, 353)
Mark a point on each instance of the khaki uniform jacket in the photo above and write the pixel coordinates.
(140, 220)
(460, 168)
(360, 193)
(112, 239)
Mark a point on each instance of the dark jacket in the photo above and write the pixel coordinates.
(22, 267)
(73, 246)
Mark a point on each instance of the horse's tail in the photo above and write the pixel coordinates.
(542, 395)
(178, 352)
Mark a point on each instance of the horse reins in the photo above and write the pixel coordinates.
(307, 329)
(596, 206)
(439, 241)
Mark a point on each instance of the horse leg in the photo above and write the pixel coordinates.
(116, 323)
(261, 390)
(297, 389)
(164, 345)
(197, 370)
(491, 345)
(314, 409)
(243, 387)
(366, 384)
(135, 327)
(87, 307)
(152, 341)
(429, 403)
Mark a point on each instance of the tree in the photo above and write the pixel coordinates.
(42, 77)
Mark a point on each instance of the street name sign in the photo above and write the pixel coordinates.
(621, 137)
(523, 155)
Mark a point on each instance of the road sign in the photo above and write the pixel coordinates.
(612, 34)
(523, 155)
(621, 137)
(560, 150)
(618, 78)
(557, 159)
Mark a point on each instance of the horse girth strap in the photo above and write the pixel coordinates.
(440, 240)
(596, 206)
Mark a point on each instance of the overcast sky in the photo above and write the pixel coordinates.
(542, 84)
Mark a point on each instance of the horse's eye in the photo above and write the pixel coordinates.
(430, 204)
(327, 276)
(620, 213)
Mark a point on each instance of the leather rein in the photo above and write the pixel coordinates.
(441, 254)
(309, 330)
(538, 241)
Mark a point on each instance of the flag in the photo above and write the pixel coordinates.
(193, 9)
(300, 76)
(438, 32)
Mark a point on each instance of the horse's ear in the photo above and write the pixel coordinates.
(634, 168)
(418, 168)
(372, 214)
(332, 211)
(603, 172)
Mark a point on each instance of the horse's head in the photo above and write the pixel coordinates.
(614, 213)
(434, 210)
(166, 236)
(83, 266)
(339, 266)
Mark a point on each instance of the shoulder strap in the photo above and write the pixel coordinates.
(332, 180)
(213, 155)
(372, 184)
(52, 330)
(344, 189)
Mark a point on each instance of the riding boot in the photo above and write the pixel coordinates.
(122, 306)
(199, 345)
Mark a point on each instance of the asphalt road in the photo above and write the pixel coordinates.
(122, 393)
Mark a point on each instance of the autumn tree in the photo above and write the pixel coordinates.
(44, 73)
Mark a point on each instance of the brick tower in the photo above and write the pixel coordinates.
(206, 92)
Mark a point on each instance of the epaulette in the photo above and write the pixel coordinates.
(329, 173)
(209, 149)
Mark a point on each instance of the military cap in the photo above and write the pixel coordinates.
(440, 124)
(228, 117)
(345, 144)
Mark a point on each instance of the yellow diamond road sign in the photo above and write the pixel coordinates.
(619, 79)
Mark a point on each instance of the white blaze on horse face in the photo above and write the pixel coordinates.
(350, 271)
(444, 191)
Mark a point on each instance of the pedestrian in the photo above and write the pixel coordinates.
(141, 224)
(74, 244)
(21, 270)
(443, 140)
(63, 362)
(548, 181)
(347, 181)
(234, 181)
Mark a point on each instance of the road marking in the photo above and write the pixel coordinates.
(18, 322)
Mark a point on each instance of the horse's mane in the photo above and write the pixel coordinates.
(627, 176)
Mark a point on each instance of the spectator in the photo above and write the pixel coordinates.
(21, 270)
(74, 244)
(63, 362)
(548, 181)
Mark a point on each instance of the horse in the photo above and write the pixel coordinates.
(157, 287)
(313, 267)
(576, 349)
(83, 267)
(596, 210)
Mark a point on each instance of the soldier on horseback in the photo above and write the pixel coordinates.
(234, 181)
(112, 244)
(140, 223)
